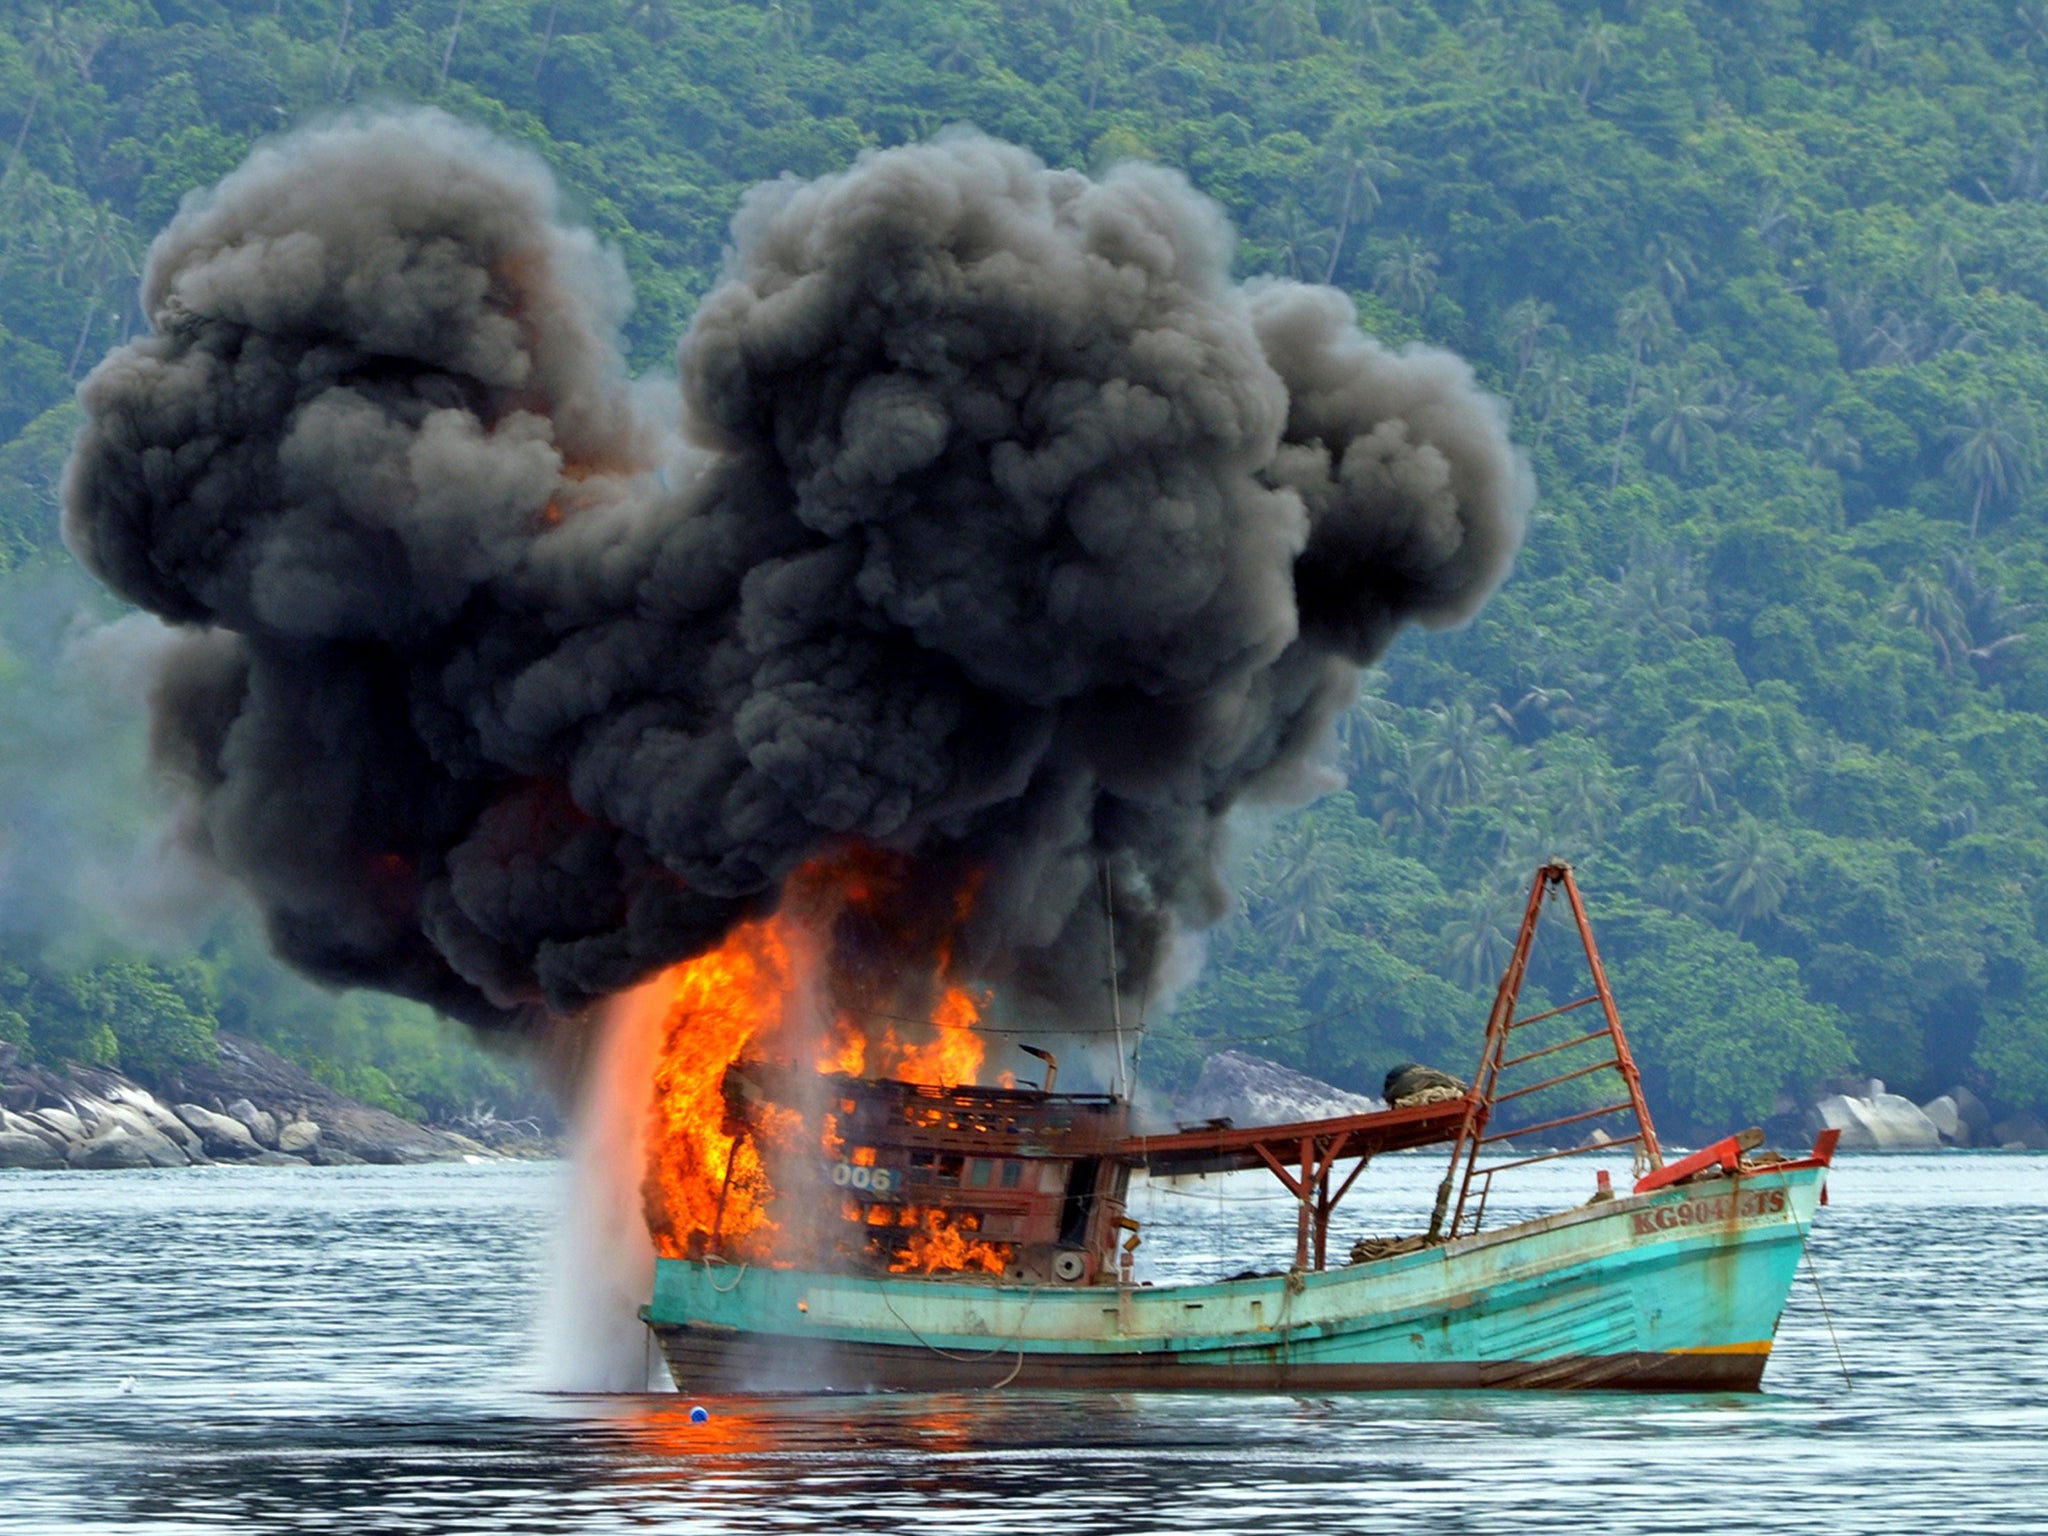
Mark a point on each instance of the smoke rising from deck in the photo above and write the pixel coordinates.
(1000, 529)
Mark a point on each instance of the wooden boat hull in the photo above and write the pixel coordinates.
(1680, 1289)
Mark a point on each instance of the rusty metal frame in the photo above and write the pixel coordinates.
(1449, 1219)
(1303, 1156)
(1317, 1156)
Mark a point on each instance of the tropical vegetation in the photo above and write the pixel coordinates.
(1764, 281)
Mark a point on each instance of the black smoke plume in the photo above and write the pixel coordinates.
(1001, 530)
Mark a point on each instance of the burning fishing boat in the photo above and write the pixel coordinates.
(959, 1236)
(1000, 542)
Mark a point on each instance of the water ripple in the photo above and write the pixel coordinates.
(350, 1348)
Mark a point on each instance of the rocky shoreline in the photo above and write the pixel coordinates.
(250, 1107)
(1872, 1120)
(1238, 1088)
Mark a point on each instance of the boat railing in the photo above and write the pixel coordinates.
(1505, 1078)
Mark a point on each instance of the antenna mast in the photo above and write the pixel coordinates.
(1116, 1012)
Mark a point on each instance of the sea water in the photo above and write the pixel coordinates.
(354, 1349)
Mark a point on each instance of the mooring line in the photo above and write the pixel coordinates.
(1813, 1274)
(1017, 1338)
(726, 1290)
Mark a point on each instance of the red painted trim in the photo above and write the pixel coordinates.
(1822, 1156)
(1727, 1153)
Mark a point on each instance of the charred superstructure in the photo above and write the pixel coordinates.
(1010, 1182)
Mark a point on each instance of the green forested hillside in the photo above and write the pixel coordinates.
(1767, 286)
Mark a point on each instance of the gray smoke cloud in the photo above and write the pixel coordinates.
(1000, 531)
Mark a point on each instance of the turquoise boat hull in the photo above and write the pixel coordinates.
(1679, 1289)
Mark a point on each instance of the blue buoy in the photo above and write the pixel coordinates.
(699, 1414)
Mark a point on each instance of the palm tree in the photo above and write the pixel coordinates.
(448, 53)
(1644, 321)
(1406, 275)
(1363, 22)
(1683, 413)
(2026, 168)
(1593, 54)
(1452, 763)
(1581, 800)
(1294, 886)
(1281, 26)
(1552, 708)
(28, 210)
(954, 48)
(2030, 28)
(1525, 327)
(547, 39)
(1365, 731)
(1991, 626)
(50, 44)
(1533, 65)
(1101, 37)
(1939, 269)
(1672, 268)
(1752, 874)
(789, 20)
(1478, 944)
(1657, 594)
(348, 11)
(103, 249)
(1297, 242)
(1672, 891)
(1873, 41)
(1557, 390)
(1830, 445)
(1399, 799)
(1694, 769)
(1223, 9)
(1774, 221)
(1994, 454)
(1353, 167)
(1927, 604)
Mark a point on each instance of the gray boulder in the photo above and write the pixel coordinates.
(24, 1149)
(141, 1101)
(163, 1152)
(1883, 1122)
(2024, 1129)
(1948, 1120)
(114, 1147)
(23, 1125)
(1249, 1090)
(220, 1135)
(1972, 1111)
(262, 1123)
(67, 1126)
(298, 1137)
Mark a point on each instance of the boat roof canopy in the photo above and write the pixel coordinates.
(1222, 1149)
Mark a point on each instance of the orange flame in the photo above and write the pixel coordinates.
(703, 1181)
(951, 1059)
(764, 992)
(942, 1243)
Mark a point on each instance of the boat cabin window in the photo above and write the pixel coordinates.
(1079, 1204)
(1013, 1174)
(979, 1172)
